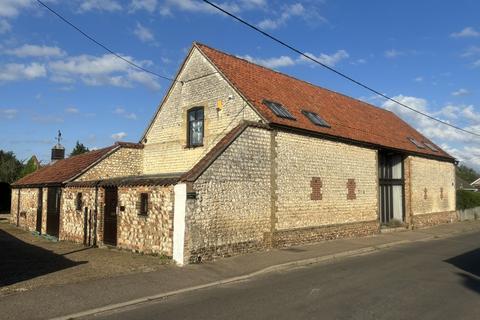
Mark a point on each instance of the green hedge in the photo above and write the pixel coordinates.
(467, 199)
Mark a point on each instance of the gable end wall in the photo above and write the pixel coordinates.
(166, 148)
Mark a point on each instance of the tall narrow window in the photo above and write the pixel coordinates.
(78, 202)
(195, 127)
(143, 204)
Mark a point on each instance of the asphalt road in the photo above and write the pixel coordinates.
(426, 280)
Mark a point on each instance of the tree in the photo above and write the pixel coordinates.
(79, 149)
(31, 166)
(467, 174)
(10, 167)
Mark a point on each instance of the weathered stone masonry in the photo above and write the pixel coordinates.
(344, 171)
(231, 212)
(437, 204)
(148, 234)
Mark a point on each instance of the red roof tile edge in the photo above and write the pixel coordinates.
(62, 171)
(355, 135)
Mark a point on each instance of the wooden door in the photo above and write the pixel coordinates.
(39, 210)
(53, 211)
(110, 217)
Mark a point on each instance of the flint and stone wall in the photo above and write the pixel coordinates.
(72, 221)
(166, 149)
(431, 190)
(273, 188)
(324, 189)
(27, 212)
(151, 233)
(231, 212)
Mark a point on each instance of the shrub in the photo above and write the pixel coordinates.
(467, 199)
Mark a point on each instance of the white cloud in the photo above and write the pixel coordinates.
(328, 59)
(17, 71)
(467, 32)
(143, 33)
(4, 26)
(471, 51)
(393, 53)
(450, 111)
(102, 70)
(119, 110)
(168, 6)
(418, 79)
(273, 63)
(288, 12)
(12, 8)
(460, 92)
(30, 50)
(127, 115)
(8, 113)
(286, 61)
(100, 5)
(147, 79)
(469, 113)
(118, 136)
(148, 5)
(72, 110)
(459, 144)
(476, 64)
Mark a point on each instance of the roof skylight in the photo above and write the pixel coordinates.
(278, 109)
(316, 119)
(430, 146)
(417, 143)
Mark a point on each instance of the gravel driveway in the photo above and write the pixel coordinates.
(28, 261)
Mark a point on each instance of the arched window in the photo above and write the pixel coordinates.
(195, 127)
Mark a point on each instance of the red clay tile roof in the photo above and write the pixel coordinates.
(63, 170)
(349, 118)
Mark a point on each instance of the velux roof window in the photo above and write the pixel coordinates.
(430, 146)
(278, 109)
(416, 143)
(316, 119)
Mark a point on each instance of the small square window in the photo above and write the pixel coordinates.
(143, 204)
(416, 143)
(278, 109)
(79, 202)
(316, 119)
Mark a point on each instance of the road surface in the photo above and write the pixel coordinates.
(437, 279)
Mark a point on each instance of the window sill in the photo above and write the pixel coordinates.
(193, 147)
(141, 215)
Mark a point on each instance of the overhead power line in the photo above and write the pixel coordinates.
(341, 74)
(102, 45)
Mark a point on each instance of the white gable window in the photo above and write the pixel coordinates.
(195, 127)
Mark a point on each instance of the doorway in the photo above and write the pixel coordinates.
(53, 211)
(110, 216)
(39, 210)
(5, 197)
(391, 181)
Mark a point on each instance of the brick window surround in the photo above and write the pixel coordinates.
(351, 185)
(316, 184)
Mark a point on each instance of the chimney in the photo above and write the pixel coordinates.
(58, 151)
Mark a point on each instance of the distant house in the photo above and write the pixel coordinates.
(476, 184)
(237, 158)
(461, 184)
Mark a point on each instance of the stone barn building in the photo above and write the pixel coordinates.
(238, 158)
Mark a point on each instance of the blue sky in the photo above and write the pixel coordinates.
(424, 53)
